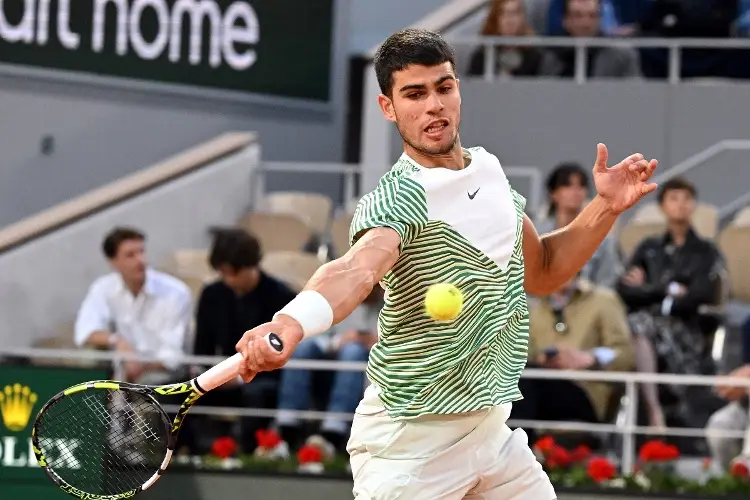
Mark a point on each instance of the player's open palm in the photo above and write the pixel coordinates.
(259, 355)
(622, 185)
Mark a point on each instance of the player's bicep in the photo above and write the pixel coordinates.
(376, 249)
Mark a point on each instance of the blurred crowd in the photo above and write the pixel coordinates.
(616, 19)
(652, 312)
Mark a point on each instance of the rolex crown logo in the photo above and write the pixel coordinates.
(16, 403)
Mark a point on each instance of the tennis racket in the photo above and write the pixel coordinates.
(129, 438)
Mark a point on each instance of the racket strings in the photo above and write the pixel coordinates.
(104, 442)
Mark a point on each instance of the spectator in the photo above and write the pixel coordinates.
(567, 189)
(243, 298)
(547, 16)
(508, 18)
(581, 18)
(352, 342)
(136, 309)
(733, 417)
(668, 278)
(579, 327)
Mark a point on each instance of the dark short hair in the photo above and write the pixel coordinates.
(562, 175)
(406, 47)
(116, 237)
(676, 184)
(234, 247)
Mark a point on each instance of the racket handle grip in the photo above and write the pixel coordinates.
(229, 368)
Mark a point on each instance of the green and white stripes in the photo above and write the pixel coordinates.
(427, 367)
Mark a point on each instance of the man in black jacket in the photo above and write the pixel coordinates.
(668, 278)
(242, 299)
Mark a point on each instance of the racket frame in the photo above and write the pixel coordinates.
(195, 388)
(173, 427)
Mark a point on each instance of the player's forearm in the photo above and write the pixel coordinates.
(337, 288)
(568, 249)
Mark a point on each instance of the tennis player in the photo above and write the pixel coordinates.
(432, 423)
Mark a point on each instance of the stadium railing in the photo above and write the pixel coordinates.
(629, 429)
(675, 46)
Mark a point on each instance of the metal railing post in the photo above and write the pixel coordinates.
(631, 417)
(675, 64)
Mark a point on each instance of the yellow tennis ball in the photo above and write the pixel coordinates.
(443, 301)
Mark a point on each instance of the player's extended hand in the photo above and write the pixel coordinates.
(622, 185)
(258, 355)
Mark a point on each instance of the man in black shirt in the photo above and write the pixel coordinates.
(668, 279)
(242, 299)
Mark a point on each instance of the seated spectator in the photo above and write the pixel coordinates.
(547, 16)
(350, 340)
(508, 18)
(243, 298)
(136, 309)
(668, 278)
(567, 191)
(581, 18)
(733, 417)
(579, 327)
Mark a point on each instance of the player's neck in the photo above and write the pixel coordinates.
(453, 160)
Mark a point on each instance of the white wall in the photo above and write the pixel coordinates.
(42, 282)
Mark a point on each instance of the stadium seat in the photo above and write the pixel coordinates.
(733, 243)
(631, 235)
(743, 217)
(313, 208)
(63, 339)
(340, 233)
(705, 218)
(293, 268)
(277, 231)
(195, 283)
(189, 262)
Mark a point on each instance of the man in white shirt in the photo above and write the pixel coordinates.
(136, 309)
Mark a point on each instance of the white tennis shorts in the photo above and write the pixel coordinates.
(442, 457)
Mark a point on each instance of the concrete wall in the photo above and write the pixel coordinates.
(44, 281)
(103, 131)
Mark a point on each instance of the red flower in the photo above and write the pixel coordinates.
(739, 469)
(600, 469)
(558, 457)
(657, 451)
(224, 447)
(309, 454)
(545, 444)
(580, 454)
(706, 463)
(267, 438)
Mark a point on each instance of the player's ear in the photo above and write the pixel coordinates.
(386, 106)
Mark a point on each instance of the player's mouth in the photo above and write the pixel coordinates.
(434, 130)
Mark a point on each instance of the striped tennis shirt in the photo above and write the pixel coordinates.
(462, 227)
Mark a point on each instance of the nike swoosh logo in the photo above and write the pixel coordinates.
(471, 196)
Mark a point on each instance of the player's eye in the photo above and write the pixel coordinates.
(445, 89)
(413, 95)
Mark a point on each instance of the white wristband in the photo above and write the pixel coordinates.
(311, 310)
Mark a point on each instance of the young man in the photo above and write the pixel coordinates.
(136, 309)
(432, 424)
(668, 279)
(243, 298)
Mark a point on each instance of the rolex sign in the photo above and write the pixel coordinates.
(23, 391)
(271, 47)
